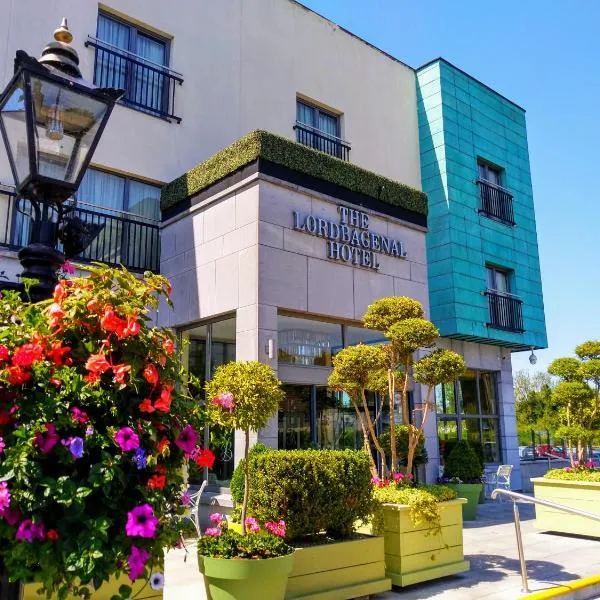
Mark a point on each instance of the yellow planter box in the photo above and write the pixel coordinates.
(339, 571)
(413, 554)
(141, 590)
(583, 495)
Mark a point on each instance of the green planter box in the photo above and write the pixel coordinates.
(339, 571)
(583, 495)
(471, 492)
(141, 590)
(413, 554)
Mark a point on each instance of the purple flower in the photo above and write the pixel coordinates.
(186, 499)
(157, 581)
(212, 532)
(29, 531)
(76, 447)
(187, 439)
(216, 517)
(4, 497)
(2, 445)
(137, 562)
(127, 439)
(46, 440)
(141, 522)
(89, 431)
(139, 458)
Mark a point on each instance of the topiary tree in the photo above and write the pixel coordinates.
(244, 395)
(402, 437)
(577, 396)
(463, 462)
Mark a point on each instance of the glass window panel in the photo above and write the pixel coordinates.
(305, 114)
(306, 342)
(148, 83)
(487, 393)
(471, 431)
(337, 423)
(360, 335)
(447, 434)
(111, 70)
(222, 343)
(294, 418)
(467, 388)
(444, 399)
(328, 124)
(489, 430)
(493, 176)
(13, 119)
(482, 169)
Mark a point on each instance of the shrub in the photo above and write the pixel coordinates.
(574, 474)
(463, 463)
(477, 447)
(402, 437)
(311, 490)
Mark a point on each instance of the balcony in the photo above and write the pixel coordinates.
(506, 311)
(148, 86)
(124, 238)
(319, 140)
(496, 202)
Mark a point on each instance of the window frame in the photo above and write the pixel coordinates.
(487, 167)
(317, 110)
(508, 277)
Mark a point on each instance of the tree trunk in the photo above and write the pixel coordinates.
(366, 445)
(415, 434)
(374, 439)
(392, 391)
(246, 480)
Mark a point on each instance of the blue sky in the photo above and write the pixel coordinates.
(544, 56)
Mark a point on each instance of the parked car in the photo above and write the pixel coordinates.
(526, 453)
(553, 451)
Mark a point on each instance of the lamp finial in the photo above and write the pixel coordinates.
(60, 54)
(62, 33)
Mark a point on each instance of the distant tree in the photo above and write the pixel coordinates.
(525, 382)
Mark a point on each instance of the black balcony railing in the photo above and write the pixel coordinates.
(124, 238)
(496, 202)
(149, 87)
(506, 311)
(319, 140)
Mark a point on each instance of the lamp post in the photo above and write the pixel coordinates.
(51, 120)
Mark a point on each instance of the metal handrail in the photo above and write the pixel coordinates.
(532, 500)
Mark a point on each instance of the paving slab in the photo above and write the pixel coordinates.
(490, 545)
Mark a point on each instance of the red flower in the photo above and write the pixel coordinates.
(120, 372)
(97, 363)
(111, 322)
(16, 376)
(163, 404)
(60, 293)
(56, 353)
(92, 305)
(169, 346)
(146, 406)
(92, 378)
(4, 353)
(157, 482)
(132, 327)
(56, 382)
(52, 535)
(27, 354)
(204, 458)
(151, 374)
(162, 446)
(56, 313)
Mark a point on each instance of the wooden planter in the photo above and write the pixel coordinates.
(413, 555)
(141, 590)
(583, 495)
(339, 571)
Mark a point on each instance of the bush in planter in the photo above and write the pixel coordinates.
(580, 472)
(94, 433)
(463, 463)
(311, 490)
(402, 439)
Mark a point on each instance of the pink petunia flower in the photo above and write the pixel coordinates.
(212, 532)
(141, 522)
(252, 525)
(216, 517)
(187, 439)
(398, 476)
(225, 400)
(277, 529)
(375, 480)
(2, 445)
(127, 439)
(4, 497)
(138, 557)
(68, 268)
(78, 415)
(46, 440)
(186, 499)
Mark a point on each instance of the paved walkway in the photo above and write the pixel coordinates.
(490, 545)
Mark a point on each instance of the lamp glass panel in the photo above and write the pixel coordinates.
(12, 114)
(66, 125)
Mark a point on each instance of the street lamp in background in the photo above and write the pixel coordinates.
(51, 120)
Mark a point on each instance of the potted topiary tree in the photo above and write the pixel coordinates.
(94, 432)
(244, 396)
(463, 472)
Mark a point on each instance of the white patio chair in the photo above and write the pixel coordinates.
(499, 479)
(194, 514)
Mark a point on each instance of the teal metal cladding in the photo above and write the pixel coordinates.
(462, 123)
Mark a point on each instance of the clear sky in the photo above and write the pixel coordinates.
(545, 56)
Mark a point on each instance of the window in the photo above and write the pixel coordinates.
(136, 61)
(306, 342)
(506, 310)
(496, 201)
(467, 410)
(320, 129)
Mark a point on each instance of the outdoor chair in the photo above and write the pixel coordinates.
(194, 513)
(499, 479)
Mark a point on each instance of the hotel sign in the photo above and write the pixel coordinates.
(350, 240)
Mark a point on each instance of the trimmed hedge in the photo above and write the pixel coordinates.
(463, 463)
(287, 153)
(311, 490)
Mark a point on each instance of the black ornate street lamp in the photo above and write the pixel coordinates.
(51, 120)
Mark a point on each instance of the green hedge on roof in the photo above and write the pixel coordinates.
(284, 152)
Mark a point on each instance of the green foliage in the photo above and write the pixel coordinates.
(463, 462)
(89, 364)
(588, 350)
(538, 411)
(256, 393)
(385, 312)
(409, 335)
(236, 485)
(590, 370)
(402, 436)
(355, 366)
(476, 446)
(423, 501)
(311, 490)
(592, 475)
(231, 544)
(565, 368)
(267, 146)
(441, 366)
(524, 382)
